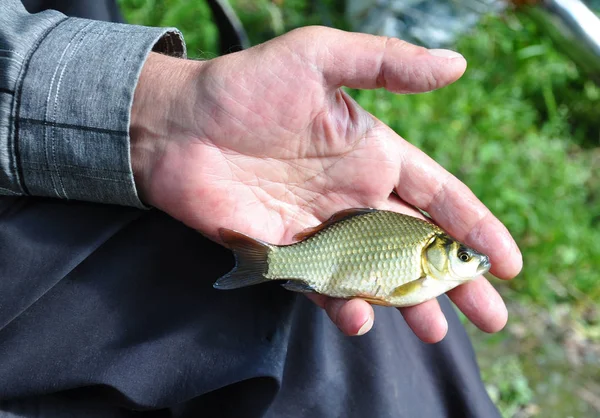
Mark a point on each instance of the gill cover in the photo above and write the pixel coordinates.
(435, 256)
(446, 258)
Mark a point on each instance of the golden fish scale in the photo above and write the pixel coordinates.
(370, 254)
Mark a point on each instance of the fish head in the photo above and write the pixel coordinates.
(447, 259)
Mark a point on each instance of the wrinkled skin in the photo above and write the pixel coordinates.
(266, 142)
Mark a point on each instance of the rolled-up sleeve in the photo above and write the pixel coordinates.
(66, 91)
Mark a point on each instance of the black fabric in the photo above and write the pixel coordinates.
(112, 309)
(110, 312)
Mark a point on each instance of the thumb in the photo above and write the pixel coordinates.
(362, 61)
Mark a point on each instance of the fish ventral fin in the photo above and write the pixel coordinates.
(250, 261)
(374, 300)
(298, 286)
(408, 288)
(336, 217)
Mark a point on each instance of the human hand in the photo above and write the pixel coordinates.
(266, 142)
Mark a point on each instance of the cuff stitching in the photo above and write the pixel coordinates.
(12, 51)
(74, 127)
(16, 167)
(35, 164)
(8, 191)
(45, 170)
(71, 50)
(101, 178)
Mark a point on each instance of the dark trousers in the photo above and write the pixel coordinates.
(108, 311)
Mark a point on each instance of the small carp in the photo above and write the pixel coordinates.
(384, 257)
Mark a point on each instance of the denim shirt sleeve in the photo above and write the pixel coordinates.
(66, 90)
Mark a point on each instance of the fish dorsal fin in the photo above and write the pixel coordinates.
(336, 217)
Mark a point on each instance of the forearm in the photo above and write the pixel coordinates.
(66, 91)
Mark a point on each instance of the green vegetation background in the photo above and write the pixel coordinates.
(521, 129)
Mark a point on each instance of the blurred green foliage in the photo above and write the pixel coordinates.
(193, 18)
(520, 128)
(509, 389)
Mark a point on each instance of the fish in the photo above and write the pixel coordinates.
(384, 257)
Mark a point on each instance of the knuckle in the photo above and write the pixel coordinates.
(309, 32)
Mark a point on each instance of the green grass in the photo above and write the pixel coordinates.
(511, 390)
(519, 128)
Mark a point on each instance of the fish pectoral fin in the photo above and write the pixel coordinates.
(374, 300)
(336, 217)
(298, 286)
(408, 288)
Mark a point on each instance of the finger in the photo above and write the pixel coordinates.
(425, 184)
(481, 303)
(363, 61)
(353, 317)
(318, 299)
(427, 321)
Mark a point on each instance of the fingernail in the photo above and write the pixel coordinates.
(444, 53)
(445, 326)
(366, 326)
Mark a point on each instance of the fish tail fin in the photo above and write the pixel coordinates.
(250, 261)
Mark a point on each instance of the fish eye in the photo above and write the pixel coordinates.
(464, 256)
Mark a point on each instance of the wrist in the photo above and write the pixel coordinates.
(158, 113)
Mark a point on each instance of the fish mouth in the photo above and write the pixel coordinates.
(484, 266)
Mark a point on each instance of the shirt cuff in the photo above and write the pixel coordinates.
(72, 126)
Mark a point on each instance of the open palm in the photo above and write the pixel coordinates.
(267, 143)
